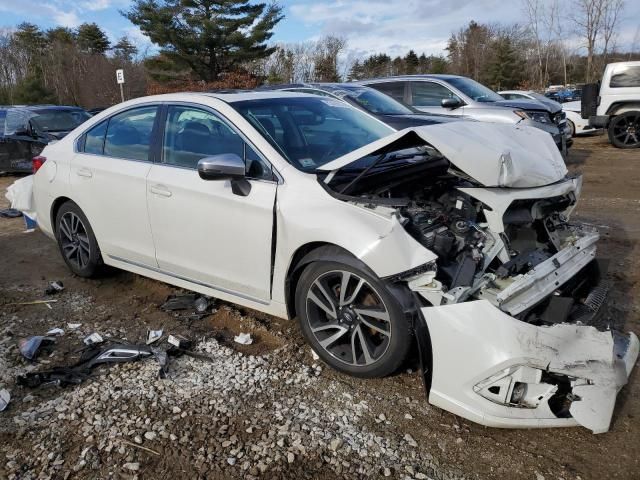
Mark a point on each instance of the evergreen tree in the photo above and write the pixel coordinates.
(30, 39)
(60, 35)
(208, 37)
(504, 70)
(32, 91)
(91, 39)
(124, 49)
(411, 63)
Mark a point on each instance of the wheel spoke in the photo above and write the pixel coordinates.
(84, 242)
(373, 312)
(330, 308)
(344, 287)
(72, 250)
(331, 339)
(64, 228)
(363, 346)
(373, 326)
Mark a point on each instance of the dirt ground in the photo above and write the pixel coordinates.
(124, 305)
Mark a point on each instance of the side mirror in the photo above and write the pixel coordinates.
(451, 103)
(226, 166)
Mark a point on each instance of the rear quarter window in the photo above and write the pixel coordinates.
(625, 77)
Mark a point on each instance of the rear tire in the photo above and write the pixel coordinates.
(624, 130)
(77, 242)
(351, 320)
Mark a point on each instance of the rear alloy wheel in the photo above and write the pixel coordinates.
(624, 130)
(76, 241)
(351, 320)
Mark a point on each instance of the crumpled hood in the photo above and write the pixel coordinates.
(495, 155)
(530, 104)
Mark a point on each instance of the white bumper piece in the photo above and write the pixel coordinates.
(498, 371)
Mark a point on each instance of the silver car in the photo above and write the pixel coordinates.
(458, 96)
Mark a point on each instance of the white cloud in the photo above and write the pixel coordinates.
(95, 5)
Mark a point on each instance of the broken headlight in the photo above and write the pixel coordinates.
(519, 386)
(541, 117)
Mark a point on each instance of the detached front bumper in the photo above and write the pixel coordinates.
(493, 369)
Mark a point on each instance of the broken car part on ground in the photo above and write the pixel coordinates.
(365, 235)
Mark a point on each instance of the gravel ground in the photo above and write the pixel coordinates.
(269, 410)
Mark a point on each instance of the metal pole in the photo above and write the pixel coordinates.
(121, 92)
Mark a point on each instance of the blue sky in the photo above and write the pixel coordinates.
(391, 26)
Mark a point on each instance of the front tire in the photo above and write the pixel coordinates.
(572, 128)
(624, 130)
(77, 242)
(351, 320)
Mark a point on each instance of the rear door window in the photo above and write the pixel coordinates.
(129, 134)
(625, 76)
(393, 89)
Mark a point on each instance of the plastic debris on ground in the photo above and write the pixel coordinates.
(153, 336)
(93, 339)
(30, 346)
(243, 339)
(314, 355)
(73, 326)
(5, 398)
(54, 287)
(20, 194)
(56, 332)
(199, 305)
(10, 213)
(180, 342)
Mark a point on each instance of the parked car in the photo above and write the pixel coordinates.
(460, 96)
(25, 130)
(576, 124)
(565, 95)
(454, 236)
(614, 104)
(386, 109)
(529, 95)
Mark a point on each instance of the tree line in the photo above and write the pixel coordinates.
(208, 44)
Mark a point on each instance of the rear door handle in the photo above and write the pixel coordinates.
(83, 172)
(160, 190)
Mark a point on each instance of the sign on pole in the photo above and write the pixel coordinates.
(120, 80)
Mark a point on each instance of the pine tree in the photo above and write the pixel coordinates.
(124, 49)
(504, 69)
(411, 63)
(91, 39)
(208, 37)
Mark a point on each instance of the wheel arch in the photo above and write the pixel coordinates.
(619, 108)
(55, 207)
(314, 252)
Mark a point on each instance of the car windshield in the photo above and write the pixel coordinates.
(310, 132)
(375, 102)
(538, 96)
(474, 90)
(56, 120)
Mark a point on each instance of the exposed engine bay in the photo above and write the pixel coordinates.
(513, 283)
(478, 260)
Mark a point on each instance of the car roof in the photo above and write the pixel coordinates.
(425, 76)
(231, 96)
(35, 108)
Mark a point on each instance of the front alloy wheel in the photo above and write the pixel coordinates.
(351, 320)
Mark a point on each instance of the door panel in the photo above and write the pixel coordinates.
(203, 231)
(112, 192)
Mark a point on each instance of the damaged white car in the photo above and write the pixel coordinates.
(456, 236)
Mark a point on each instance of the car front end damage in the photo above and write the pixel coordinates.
(513, 325)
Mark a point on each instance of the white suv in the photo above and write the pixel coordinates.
(616, 106)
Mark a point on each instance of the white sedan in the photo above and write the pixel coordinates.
(454, 236)
(577, 125)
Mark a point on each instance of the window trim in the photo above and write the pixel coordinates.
(198, 106)
(77, 140)
(409, 93)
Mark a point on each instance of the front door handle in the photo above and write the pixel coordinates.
(160, 190)
(83, 172)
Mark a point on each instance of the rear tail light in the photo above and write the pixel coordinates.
(37, 162)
